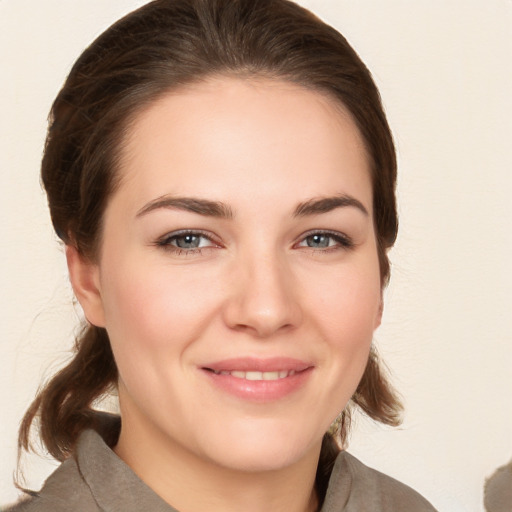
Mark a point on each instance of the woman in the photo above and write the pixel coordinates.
(222, 175)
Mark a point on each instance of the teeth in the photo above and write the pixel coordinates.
(254, 375)
(258, 375)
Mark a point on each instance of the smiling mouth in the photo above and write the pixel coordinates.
(255, 375)
(259, 380)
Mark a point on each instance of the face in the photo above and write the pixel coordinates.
(238, 276)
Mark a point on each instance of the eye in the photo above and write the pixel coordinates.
(189, 241)
(326, 240)
(186, 242)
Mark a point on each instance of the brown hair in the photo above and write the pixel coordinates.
(162, 46)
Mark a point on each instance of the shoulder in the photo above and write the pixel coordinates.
(64, 490)
(356, 487)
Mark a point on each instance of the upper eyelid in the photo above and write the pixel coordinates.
(209, 234)
(322, 232)
(184, 232)
(328, 232)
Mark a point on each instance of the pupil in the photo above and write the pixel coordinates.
(318, 241)
(188, 242)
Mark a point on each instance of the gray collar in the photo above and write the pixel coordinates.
(112, 483)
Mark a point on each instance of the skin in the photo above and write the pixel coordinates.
(260, 285)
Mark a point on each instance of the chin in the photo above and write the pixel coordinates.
(263, 449)
(259, 460)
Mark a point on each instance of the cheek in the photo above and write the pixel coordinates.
(153, 318)
(348, 325)
(153, 311)
(347, 313)
(348, 302)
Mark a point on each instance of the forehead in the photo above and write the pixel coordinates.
(241, 137)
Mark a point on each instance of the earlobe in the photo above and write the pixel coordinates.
(84, 277)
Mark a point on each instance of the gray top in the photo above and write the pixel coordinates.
(97, 480)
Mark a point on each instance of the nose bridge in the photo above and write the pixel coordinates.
(264, 297)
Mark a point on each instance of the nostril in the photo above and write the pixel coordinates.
(262, 304)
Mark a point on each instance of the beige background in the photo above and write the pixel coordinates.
(444, 68)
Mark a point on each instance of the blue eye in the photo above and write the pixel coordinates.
(186, 242)
(319, 241)
(326, 240)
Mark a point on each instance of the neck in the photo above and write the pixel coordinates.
(192, 484)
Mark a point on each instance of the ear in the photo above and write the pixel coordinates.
(84, 277)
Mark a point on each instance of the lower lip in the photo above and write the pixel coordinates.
(259, 390)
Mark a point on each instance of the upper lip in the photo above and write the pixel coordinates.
(246, 364)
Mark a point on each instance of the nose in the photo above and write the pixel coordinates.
(264, 297)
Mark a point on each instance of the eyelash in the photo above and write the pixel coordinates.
(342, 242)
(166, 242)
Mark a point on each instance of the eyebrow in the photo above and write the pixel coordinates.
(191, 204)
(221, 210)
(327, 204)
